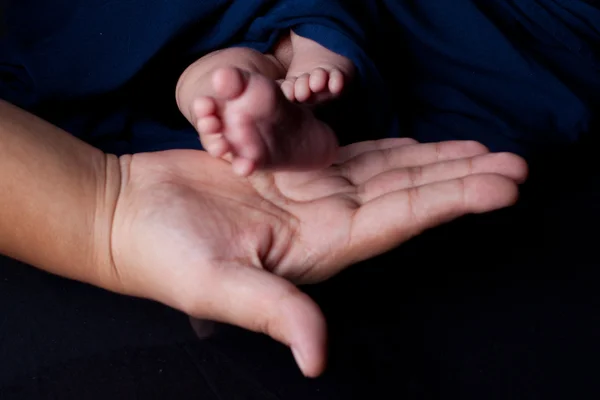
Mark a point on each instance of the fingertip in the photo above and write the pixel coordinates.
(472, 147)
(506, 164)
(516, 167)
(455, 149)
(308, 342)
(309, 369)
(489, 192)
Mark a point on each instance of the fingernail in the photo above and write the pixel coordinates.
(299, 359)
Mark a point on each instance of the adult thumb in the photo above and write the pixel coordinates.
(259, 301)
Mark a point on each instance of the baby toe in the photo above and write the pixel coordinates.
(318, 80)
(336, 81)
(245, 140)
(229, 83)
(216, 145)
(302, 88)
(209, 125)
(203, 107)
(287, 87)
(219, 148)
(242, 166)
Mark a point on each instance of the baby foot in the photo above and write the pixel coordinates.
(249, 121)
(320, 85)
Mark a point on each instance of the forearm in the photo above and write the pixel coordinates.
(56, 197)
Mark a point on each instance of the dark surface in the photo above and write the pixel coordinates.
(501, 306)
(498, 306)
(518, 75)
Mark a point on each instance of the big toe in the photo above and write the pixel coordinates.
(229, 83)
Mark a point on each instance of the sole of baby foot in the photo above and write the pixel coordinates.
(260, 128)
(213, 121)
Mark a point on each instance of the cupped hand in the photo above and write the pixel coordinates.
(189, 233)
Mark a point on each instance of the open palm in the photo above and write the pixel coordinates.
(189, 233)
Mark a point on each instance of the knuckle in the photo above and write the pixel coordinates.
(415, 175)
(412, 204)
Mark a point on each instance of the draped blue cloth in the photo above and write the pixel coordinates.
(517, 75)
(514, 74)
(106, 70)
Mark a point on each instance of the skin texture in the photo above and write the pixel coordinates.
(247, 119)
(246, 106)
(178, 227)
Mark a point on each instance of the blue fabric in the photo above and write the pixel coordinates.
(516, 75)
(106, 70)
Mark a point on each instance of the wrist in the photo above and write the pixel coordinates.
(57, 197)
(108, 188)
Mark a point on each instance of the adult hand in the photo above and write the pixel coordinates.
(190, 234)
